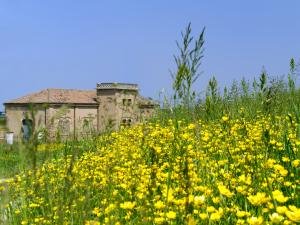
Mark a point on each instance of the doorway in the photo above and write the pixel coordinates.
(27, 128)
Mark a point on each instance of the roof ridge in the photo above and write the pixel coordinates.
(57, 95)
(68, 89)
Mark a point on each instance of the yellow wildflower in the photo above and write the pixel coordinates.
(296, 163)
(199, 200)
(276, 218)
(216, 200)
(158, 220)
(241, 213)
(225, 118)
(210, 209)
(293, 214)
(33, 205)
(281, 209)
(258, 199)
(159, 205)
(224, 191)
(215, 216)
(279, 197)
(96, 211)
(171, 215)
(127, 205)
(255, 220)
(191, 126)
(240, 222)
(92, 222)
(203, 216)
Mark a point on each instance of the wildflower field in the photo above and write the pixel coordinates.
(227, 171)
(222, 159)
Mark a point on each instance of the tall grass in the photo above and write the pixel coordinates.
(265, 94)
(2, 122)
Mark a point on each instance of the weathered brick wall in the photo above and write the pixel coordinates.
(15, 114)
(50, 118)
(85, 120)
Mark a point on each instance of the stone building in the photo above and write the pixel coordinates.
(73, 113)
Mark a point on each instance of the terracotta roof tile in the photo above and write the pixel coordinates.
(58, 96)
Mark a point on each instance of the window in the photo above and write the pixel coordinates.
(127, 101)
(126, 122)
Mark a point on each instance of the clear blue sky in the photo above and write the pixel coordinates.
(75, 44)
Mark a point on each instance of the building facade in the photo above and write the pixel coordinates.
(75, 113)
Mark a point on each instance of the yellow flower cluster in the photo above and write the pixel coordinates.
(224, 172)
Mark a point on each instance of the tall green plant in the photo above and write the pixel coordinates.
(213, 98)
(292, 76)
(187, 62)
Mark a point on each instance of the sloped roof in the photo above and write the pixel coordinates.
(63, 96)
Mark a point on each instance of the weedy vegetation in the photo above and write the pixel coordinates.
(230, 157)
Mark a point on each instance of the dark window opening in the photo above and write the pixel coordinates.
(127, 101)
(27, 126)
(126, 122)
